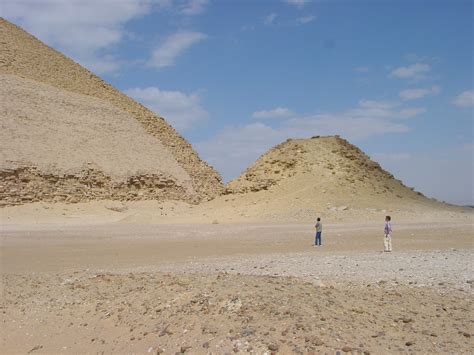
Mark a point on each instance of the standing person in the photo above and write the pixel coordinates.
(319, 230)
(387, 242)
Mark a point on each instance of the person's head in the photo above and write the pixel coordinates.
(388, 218)
(318, 219)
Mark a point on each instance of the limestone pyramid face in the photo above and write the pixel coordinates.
(69, 136)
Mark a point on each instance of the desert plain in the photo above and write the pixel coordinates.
(83, 284)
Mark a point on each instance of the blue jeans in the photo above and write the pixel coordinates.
(318, 238)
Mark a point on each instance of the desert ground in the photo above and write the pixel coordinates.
(89, 282)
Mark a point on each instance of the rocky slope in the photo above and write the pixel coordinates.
(320, 174)
(55, 114)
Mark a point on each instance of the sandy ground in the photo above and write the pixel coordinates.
(241, 287)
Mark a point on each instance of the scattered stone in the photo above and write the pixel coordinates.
(165, 331)
(121, 208)
(248, 332)
(378, 334)
(273, 347)
(317, 342)
(37, 347)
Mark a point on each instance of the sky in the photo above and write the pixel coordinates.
(236, 77)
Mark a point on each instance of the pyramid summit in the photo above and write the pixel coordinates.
(67, 135)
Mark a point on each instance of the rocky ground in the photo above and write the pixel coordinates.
(224, 313)
(316, 301)
(443, 270)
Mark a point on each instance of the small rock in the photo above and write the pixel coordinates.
(409, 343)
(205, 345)
(273, 347)
(37, 347)
(318, 342)
(346, 349)
(184, 349)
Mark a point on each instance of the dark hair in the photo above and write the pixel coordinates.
(388, 218)
(318, 219)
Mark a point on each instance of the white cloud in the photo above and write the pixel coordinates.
(305, 19)
(411, 112)
(279, 112)
(297, 3)
(181, 110)
(81, 29)
(268, 20)
(412, 94)
(361, 69)
(465, 99)
(193, 7)
(412, 71)
(173, 46)
(234, 148)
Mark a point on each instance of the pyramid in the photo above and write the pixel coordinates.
(321, 173)
(69, 136)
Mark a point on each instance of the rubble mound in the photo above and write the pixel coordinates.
(69, 136)
(321, 171)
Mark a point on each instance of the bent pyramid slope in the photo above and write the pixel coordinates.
(69, 136)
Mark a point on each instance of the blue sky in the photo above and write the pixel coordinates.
(237, 77)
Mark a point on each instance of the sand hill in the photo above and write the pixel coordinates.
(323, 175)
(328, 166)
(69, 136)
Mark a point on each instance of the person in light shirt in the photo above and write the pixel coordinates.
(387, 242)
